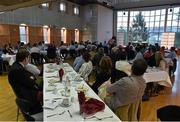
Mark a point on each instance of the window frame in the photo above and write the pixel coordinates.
(24, 35)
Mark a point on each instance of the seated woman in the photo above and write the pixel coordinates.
(7, 49)
(86, 67)
(104, 73)
(122, 64)
(128, 92)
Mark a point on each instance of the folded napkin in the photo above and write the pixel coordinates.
(61, 72)
(50, 105)
(91, 106)
(81, 98)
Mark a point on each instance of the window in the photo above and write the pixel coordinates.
(62, 7)
(168, 40)
(76, 35)
(23, 30)
(45, 5)
(173, 19)
(46, 32)
(76, 10)
(154, 23)
(122, 23)
(63, 34)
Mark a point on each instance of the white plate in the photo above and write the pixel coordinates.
(65, 65)
(54, 80)
(81, 87)
(49, 70)
(50, 88)
(62, 92)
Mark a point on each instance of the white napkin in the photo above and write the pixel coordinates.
(51, 104)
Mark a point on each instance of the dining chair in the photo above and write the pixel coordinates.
(130, 112)
(35, 58)
(24, 106)
(169, 113)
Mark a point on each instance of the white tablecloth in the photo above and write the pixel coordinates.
(159, 76)
(74, 108)
(10, 58)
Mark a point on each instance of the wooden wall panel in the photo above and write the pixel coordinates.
(4, 34)
(55, 35)
(35, 34)
(80, 36)
(10, 34)
(14, 34)
(70, 36)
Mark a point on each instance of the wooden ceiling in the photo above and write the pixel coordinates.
(84, 2)
(12, 2)
(8, 5)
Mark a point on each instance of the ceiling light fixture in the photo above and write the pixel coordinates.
(23, 24)
(1, 12)
(170, 10)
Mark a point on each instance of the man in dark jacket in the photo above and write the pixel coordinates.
(23, 82)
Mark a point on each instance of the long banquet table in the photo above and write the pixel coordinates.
(10, 58)
(53, 97)
(157, 75)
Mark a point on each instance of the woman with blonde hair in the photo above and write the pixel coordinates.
(103, 73)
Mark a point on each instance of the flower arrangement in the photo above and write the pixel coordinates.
(61, 73)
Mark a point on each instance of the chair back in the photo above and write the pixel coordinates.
(24, 106)
(169, 113)
(130, 112)
(117, 75)
(35, 58)
(102, 93)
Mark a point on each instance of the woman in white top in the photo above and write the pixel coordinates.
(86, 67)
(122, 64)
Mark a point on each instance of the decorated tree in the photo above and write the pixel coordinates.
(138, 30)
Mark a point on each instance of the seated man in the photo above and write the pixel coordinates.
(1, 62)
(127, 91)
(78, 61)
(23, 82)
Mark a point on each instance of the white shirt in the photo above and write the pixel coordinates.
(80, 47)
(85, 70)
(123, 66)
(32, 68)
(35, 50)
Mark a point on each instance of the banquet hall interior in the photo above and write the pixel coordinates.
(55, 51)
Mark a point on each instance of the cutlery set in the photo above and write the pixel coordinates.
(98, 118)
(56, 114)
(60, 114)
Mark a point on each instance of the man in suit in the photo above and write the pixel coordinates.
(23, 82)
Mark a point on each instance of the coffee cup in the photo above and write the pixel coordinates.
(66, 101)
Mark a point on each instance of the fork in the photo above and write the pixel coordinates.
(56, 114)
(104, 117)
(70, 114)
(99, 118)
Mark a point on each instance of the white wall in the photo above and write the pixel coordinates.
(105, 24)
(90, 21)
(95, 21)
(42, 16)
